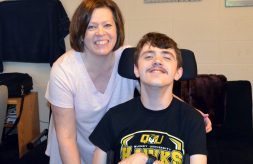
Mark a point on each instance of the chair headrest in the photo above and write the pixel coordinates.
(126, 64)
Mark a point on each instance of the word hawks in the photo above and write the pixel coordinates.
(167, 148)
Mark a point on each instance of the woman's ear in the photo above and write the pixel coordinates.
(178, 74)
(136, 71)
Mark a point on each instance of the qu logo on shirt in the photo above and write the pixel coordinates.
(167, 148)
(151, 138)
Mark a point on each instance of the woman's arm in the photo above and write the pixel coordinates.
(65, 126)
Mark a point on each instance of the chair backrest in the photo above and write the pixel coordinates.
(3, 107)
(238, 118)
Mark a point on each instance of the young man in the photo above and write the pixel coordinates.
(155, 127)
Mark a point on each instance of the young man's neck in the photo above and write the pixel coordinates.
(156, 98)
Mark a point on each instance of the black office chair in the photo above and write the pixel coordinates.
(235, 140)
(126, 69)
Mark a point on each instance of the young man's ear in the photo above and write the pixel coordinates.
(178, 74)
(136, 71)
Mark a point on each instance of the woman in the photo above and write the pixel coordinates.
(84, 82)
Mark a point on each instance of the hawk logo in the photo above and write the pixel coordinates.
(167, 148)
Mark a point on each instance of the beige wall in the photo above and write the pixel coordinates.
(222, 38)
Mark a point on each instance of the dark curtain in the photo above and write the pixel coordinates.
(32, 31)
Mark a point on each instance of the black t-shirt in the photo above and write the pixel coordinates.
(168, 134)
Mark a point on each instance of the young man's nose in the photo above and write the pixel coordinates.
(157, 61)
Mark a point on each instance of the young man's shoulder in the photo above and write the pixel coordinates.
(186, 108)
(127, 106)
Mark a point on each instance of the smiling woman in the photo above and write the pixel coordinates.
(84, 82)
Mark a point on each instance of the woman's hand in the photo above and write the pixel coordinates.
(207, 121)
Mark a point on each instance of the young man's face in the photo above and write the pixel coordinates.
(157, 67)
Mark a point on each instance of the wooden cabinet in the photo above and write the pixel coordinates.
(28, 127)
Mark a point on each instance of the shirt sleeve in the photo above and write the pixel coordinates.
(197, 136)
(103, 135)
(59, 91)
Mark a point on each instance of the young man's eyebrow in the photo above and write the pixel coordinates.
(165, 52)
(168, 53)
(148, 51)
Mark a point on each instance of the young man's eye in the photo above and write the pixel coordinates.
(148, 57)
(167, 57)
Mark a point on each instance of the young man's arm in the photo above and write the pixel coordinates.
(99, 156)
(198, 159)
(139, 158)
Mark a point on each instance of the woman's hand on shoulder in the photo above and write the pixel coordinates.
(207, 121)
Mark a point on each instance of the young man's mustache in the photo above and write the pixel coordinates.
(157, 68)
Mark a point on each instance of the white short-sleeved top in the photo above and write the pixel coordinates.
(70, 86)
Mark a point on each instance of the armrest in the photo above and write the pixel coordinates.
(36, 141)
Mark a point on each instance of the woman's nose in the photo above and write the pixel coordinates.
(100, 31)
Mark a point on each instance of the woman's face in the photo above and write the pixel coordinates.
(101, 34)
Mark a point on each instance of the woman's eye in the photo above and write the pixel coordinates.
(107, 25)
(91, 27)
